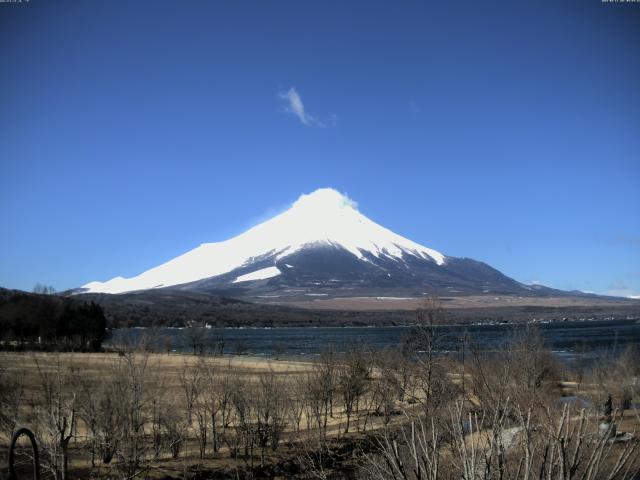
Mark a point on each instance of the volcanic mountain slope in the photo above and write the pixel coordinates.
(321, 247)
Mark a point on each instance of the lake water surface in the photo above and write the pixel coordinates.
(567, 339)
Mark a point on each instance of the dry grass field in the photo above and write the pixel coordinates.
(456, 302)
(170, 380)
(138, 414)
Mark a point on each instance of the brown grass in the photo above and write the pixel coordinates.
(454, 302)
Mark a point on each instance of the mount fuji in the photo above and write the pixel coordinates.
(322, 246)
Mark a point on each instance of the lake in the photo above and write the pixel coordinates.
(566, 339)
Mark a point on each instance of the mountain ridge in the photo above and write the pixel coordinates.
(322, 246)
(322, 218)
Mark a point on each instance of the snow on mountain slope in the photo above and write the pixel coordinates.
(324, 217)
(261, 274)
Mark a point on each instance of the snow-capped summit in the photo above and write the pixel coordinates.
(323, 217)
(321, 242)
(327, 216)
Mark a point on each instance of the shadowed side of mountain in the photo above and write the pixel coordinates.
(332, 270)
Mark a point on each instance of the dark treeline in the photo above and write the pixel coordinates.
(48, 322)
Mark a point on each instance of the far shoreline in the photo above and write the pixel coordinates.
(389, 325)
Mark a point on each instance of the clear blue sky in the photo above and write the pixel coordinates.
(509, 132)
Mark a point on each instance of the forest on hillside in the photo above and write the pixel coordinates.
(43, 321)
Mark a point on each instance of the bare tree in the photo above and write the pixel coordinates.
(43, 289)
(196, 337)
(297, 400)
(522, 370)
(175, 432)
(618, 375)
(430, 384)
(412, 453)
(353, 380)
(271, 412)
(156, 414)
(204, 395)
(390, 385)
(130, 373)
(88, 409)
(215, 399)
(242, 399)
(11, 396)
(564, 446)
(190, 381)
(57, 416)
(202, 414)
(319, 391)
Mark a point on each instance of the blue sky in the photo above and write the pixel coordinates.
(508, 132)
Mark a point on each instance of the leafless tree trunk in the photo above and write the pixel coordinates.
(132, 399)
(190, 380)
(296, 398)
(57, 416)
(353, 380)
(271, 412)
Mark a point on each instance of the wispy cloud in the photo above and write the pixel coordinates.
(296, 107)
(624, 293)
(621, 289)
